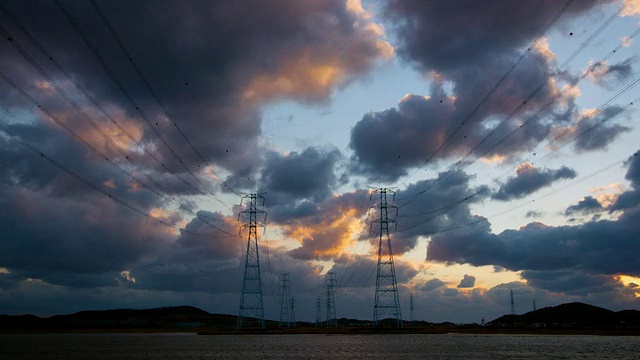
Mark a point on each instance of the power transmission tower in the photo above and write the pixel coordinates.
(387, 301)
(534, 305)
(411, 310)
(292, 312)
(285, 315)
(251, 305)
(513, 303)
(332, 319)
(318, 312)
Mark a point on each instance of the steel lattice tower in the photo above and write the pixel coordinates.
(387, 301)
(411, 310)
(513, 303)
(292, 312)
(318, 312)
(251, 305)
(285, 315)
(332, 319)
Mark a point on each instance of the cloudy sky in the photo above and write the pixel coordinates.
(508, 130)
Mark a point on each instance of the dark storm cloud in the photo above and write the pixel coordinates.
(206, 276)
(604, 74)
(72, 240)
(23, 168)
(282, 213)
(359, 271)
(597, 132)
(529, 180)
(630, 199)
(432, 285)
(470, 46)
(58, 229)
(468, 281)
(571, 282)
(534, 214)
(212, 262)
(587, 205)
(212, 64)
(450, 35)
(633, 171)
(429, 206)
(189, 206)
(626, 200)
(421, 129)
(386, 143)
(600, 137)
(426, 207)
(603, 247)
(309, 174)
(217, 238)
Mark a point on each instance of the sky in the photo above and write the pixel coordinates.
(131, 130)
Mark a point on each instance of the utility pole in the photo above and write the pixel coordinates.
(318, 312)
(332, 319)
(513, 303)
(285, 315)
(251, 305)
(387, 301)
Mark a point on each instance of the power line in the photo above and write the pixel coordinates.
(442, 208)
(133, 103)
(80, 139)
(120, 86)
(43, 73)
(497, 85)
(16, 45)
(153, 93)
(596, 111)
(143, 78)
(86, 143)
(511, 209)
(97, 188)
(524, 103)
(271, 278)
(84, 91)
(595, 34)
(588, 130)
(344, 268)
(73, 133)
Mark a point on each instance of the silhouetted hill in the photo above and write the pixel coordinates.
(165, 317)
(188, 318)
(571, 314)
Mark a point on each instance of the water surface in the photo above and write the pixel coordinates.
(401, 346)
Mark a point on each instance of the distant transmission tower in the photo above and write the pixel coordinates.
(387, 301)
(411, 310)
(285, 315)
(251, 305)
(534, 305)
(332, 319)
(318, 312)
(292, 312)
(513, 303)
